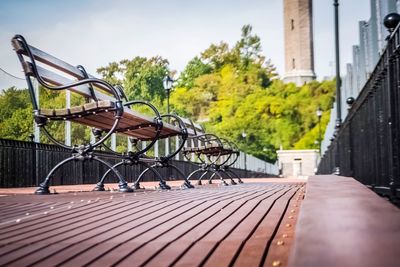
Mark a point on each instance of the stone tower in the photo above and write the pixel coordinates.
(299, 54)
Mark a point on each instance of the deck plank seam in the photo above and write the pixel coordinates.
(205, 234)
(73, 256)
(217, 199)
(251, 233)
(265, 254)
(184, 233)
(238, 223)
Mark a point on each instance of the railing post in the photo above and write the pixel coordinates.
(392, 118)
(338, 84)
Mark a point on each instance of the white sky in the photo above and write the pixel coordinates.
(95, 32)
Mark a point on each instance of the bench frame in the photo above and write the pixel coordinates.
(85, 151)
(165, 161)
(150, 164)
(211, 159)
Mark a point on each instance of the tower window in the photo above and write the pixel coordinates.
(292, 24)
(293, 63)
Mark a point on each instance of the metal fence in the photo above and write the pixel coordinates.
(367, 144)
(27, 163)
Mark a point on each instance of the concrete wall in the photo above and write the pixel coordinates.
(298, 163)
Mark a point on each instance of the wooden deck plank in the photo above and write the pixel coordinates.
(16, 211)
(150, 227)
(139, 239)
(277, 253)
(255, 249)
(78, 244)
(343, 223)
(38, 222)
(200, 251)
(155, 246)
(110, 224)
(36, 242)
(181, 244)
(227, 250)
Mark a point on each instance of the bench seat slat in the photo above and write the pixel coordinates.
(62, 113)
(105, 120)
(130, 117)
(93, 121)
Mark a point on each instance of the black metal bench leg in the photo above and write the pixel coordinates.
(123, 185)
(202, 176)
(216, 172)
(136, 183)
(211, 177)
(193, 173)
(44, 186)
(230, 177)
(163, 184)
(223, 182)
(235, 176)
(187, 183)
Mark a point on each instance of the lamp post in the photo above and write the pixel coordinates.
(244, 134)
(319, 115)
(338, 84)
(167, 83)
(31, 137)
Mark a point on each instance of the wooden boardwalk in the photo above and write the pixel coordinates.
(344, 223)
(243, 225)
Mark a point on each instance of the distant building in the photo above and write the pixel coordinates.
(298, 163)
(299, 54)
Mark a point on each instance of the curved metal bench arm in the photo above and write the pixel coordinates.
(206, 138)
(121, 92)
(118, 104)
(209, 138)
(158, 126)
(226, 145)
(91, 89)
(157, 120)
(184, 135)
(235, 153)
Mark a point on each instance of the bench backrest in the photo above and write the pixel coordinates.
(57, 72)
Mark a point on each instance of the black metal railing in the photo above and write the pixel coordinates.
(27, 163)
(368, 140)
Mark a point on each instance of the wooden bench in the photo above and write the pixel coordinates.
(152, 164)
(213, 154)
(104, 109)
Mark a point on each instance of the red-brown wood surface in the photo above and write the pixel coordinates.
(210, 225)
(343, 223)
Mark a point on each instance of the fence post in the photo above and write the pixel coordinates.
(391, 123)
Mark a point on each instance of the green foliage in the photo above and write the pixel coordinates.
(19, 126)
(195, 68)
(141, 78)
(11, 100)
(15, 114)
(240, 95)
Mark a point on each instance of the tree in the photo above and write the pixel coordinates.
(141, 77)
(11, 100)
(195, 68)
